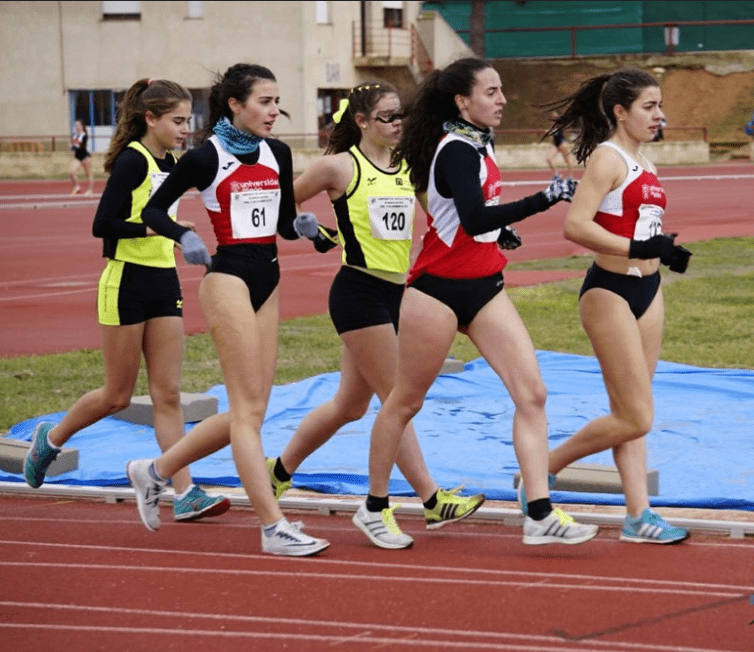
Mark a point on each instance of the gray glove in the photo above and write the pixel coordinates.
(560, 190)
(194, 250)
(306, 225)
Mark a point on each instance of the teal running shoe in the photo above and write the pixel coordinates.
(40, 455)
(651, 528)
(522, 492)
(197, 504)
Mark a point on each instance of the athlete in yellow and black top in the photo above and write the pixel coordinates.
(140, 281)
(374, 204)
(375, 224)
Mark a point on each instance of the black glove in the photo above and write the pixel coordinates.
(560, 190)
(325, 239)
(509, 238)
(658, 246)
(678, 261)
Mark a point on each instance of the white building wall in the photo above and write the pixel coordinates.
(50, 48)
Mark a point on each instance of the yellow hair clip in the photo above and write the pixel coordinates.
(341, 110)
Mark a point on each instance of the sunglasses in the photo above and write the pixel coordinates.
(390, 119)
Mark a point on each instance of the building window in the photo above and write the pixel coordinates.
(392, 13)
(196, 9)
(121, 10)
(323, 13)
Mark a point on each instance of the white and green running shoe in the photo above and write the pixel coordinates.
(382, 528)
(557, 527)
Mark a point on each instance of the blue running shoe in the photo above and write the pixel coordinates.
(40, 455)
(651, 528)
(197, 504)
(522, 493)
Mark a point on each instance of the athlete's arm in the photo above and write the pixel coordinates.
(195, 169)
(128, 173)
(287, 202)
(604, 172)
(457, 175)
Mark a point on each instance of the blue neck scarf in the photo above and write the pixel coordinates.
(234, 141)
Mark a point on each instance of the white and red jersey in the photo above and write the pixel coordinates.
(243, 201)
(635, 208)
(447, 250)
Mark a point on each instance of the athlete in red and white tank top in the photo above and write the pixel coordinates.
(635, 208)
(447, 250)
(243, 201)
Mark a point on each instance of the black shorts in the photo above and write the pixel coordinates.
(360, 300)
(464, 296)
(255, 264)
(558, 138)
(81, 155)
(132, 294)
(638, 291)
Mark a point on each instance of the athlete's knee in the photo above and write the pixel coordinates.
(532, 396)
(117, 401)
(638, 422)
(165, 397)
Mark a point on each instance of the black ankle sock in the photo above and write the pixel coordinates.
(539, 509)
(377, 503)
(280, 472)
(432, 502)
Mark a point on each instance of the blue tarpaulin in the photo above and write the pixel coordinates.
(701, 444)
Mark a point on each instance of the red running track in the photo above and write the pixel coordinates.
(86, 576)
(50, 263)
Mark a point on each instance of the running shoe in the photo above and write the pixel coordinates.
(278, 486)
(382, 528)
(522, 492)
(197, 504)
(557, 527)
(147, 491)
(451, 507)
(288, 540)
(40, 455)
(651, 528)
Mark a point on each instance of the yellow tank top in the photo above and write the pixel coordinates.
(376, 217)
(153, 250)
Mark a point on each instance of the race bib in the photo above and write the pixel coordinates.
(490, 236)
(157, 178)
(254, 213)
(391, 218)
(649, 223)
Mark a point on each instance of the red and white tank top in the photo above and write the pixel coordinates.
(447, 250)
(635, 208)
(243, 201)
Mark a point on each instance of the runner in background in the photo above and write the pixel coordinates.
(81, 158)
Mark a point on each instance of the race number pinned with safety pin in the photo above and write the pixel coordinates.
(254, 213)
(157, 178)
(649, 223)
(391, 218)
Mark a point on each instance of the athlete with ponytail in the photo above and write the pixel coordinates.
(374, 205)
(139, 303)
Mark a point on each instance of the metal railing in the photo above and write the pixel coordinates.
(376, 40)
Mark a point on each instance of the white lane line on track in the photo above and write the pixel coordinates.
(595, 583)
(364, 635)
(528, 578)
